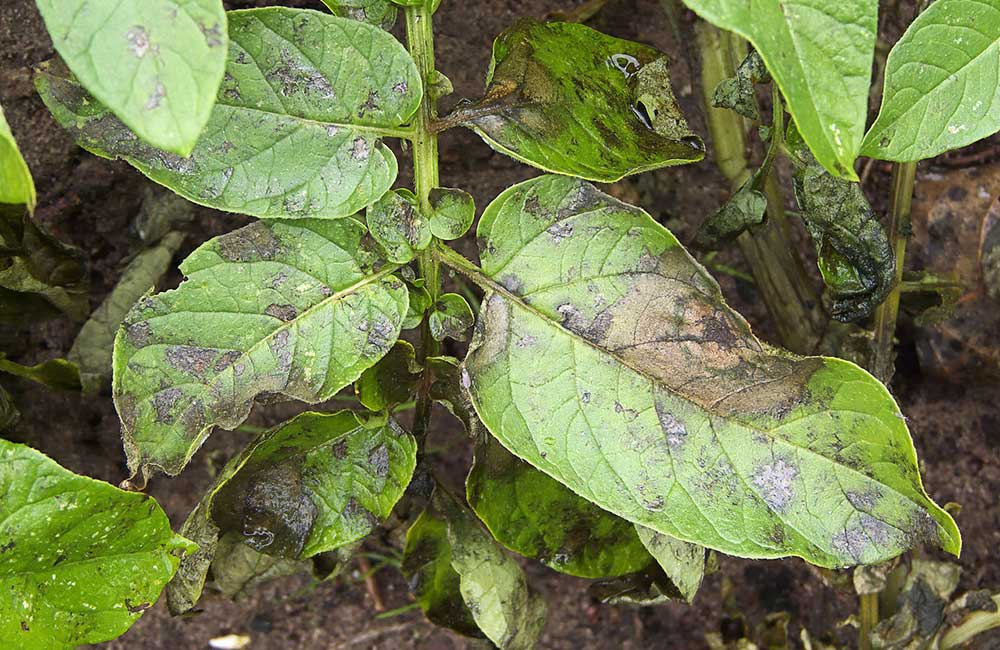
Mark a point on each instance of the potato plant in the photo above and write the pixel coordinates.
(626, 420)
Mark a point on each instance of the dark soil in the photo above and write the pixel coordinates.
(92, 203)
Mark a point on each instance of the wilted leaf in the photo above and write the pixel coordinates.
(381, 13)
(310, 485)
(744, 209)
(452, 318)
(92, 349)
(855, 256)
(55, 373)
(605, 356)
(820, 54)
(683, 563)
(16, 184)
(397, 225)
(940, 83)
(920, 607)
(390, 382)
(290, 308)
(156, 63)
(929, 299)
(238, 569)
(738, 93)
(297, 127)
(568, 99)
(81, 559)
(452, 212)
(448, 389)
(463, 580)
(538, 517)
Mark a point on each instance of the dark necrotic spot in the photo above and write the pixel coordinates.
(191, 360)
(378, 458)
(282, 312)
(250, 244)
(163, 404)
(139, 334)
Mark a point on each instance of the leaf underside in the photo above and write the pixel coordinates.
(290, 308)
(940, 83)
(297, 128)
(820, 54)
(80, 560)
(605, 356)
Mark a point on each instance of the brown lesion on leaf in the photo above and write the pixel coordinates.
(163, 404)
(192, 360)
(283, 312)
(378, 459)
(250, 244)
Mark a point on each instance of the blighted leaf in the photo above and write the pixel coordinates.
(297, 127)
(537, 517)
(318, 482)
(18, 308)
(920, 607)
(968, 615)
(452, 318)
(92, 349)
(940, 83)
(381, 13)
(683, 563)
(156, 63)
(55, 373)
(397, 225)
(8, 411)
(390, 382)
(33, 262)
(568, 99)
(292, 308)
(854, 254)
(420, 302)
(447, 389)
(463, 580)
(452, 213)
(161, 213)
(605, 357)
(82, 560)
(738, 93)
(743, 210)
(16, 184)
(820, 54)
(238, 569)
(929, 299)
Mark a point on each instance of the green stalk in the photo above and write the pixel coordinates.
(420, 39)
(869, 618)
(903, 178)
(779, 273)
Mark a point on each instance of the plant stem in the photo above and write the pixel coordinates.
(779, 273)
(903, 178)
(869, 617)
(420, 39)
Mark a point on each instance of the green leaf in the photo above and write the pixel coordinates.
(16, 184)
(855, 256)
(452, 318)
(93, 347)
(292, 308)
(452, 213)
(820, 54)
(420, 302)
(397, 225)
(297, 128)
(390, 382)
(602, 113)
(156, 64)
(319, 482)
(683, 563)
(537, 517)
(55, 373)
(381, 13)
(940, 83)
(606, 357)
(463, 580)
(81, 559)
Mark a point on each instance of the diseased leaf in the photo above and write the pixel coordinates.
(538, 517)
(81, 559)
(452, 213)
(940, 83)
(920, 607)
(854, 254)
(683, 563)
(463, 580)
(605, 357)
(16, 184)
(820, 54)
(8, 411)
(156, 63)
(397, 225)
(55, 373)
(93, 347)
(319, 482)
(17, 308)
(744, 209)
(602, 113)
(448, 389)
(297, 127)
(420, 302)
(292, 308)
(33, 265)
(238, 569)
(381, 13)
(452, 318)
(929, 299)
(390, 382)
(738, 93)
